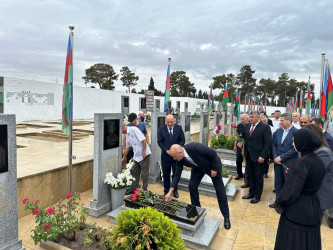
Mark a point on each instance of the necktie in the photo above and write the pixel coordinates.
(251, 131)
(170, 132)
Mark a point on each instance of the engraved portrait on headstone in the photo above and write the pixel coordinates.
(187, 123)
(205, 121)
(111, 134)
(3, 149)
(160, 122)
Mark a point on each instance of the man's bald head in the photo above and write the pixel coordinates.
(295, 117)
(169, 120)
(304, 120)
(176, 152)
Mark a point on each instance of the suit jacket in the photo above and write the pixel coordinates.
(259, 143)
(165, 141)
(329, 139)
(285, 150)
(205, 158)
(270, 123)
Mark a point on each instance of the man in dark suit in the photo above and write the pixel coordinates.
(263, 112)
(258, 140)
(327, 136)
(283, 151)
(168, 134)
(203, 160)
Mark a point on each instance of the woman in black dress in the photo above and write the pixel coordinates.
(298, 204)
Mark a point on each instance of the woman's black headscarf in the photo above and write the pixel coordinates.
(306, 140)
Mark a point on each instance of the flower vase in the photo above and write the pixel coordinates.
(117, 197)
(142, 119)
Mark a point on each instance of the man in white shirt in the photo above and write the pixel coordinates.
(135, 139)
(276, 120)
(295, 117)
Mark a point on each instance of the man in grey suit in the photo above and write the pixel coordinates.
(283, 151)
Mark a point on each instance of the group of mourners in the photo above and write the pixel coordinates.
(303, 172)
(303, 167)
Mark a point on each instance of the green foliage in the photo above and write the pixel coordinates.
(128, 78)
(53, 222)
(180, 84)
(144, 228)
(223, 141)
(225, 172)
(102, 74)
(195, 115)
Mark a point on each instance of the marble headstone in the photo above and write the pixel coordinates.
(107, 158)
(204, 128)
(8, 184)
(230, 122)
(216, 119)
(185, 122)
(157, 120)
(223, 123)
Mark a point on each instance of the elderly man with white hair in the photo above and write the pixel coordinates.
(295, 117)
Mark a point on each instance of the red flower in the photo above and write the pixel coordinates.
(69, 196)
(133, 197)
(36, 212)
(50, 211)
(25, 200)
(47, 226)
(137, 196)
(136, 190)
(35, 202)
(79, 193)
(287, 170)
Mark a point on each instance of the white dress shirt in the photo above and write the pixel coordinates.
(296, 125)
(276, 123)
(134, 138)
(188, 157)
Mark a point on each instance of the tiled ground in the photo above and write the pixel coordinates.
(253, 226)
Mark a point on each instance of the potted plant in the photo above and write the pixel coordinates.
(118, 184)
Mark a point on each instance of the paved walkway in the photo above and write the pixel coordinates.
(253, 226)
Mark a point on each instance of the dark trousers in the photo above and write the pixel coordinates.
(196, 177)
(166, 169)
(130, 155)
(142, 168)
(280, 178)
(266, 167)
(255, 177)
(239, 162)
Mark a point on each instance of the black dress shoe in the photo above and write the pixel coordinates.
(272, 205)
(274, 191)
(238, 177)
(129, 192)
(175, 193)
(255, 200)
(265, 175)
(227, 223)
(248, 196)
(245, 186)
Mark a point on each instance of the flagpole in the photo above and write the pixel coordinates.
(70, 149)
(321, 79)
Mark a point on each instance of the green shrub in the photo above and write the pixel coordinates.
(222, 141)
(225, 172)
(144, 228)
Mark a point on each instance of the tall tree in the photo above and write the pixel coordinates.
(199, 94)
(246, 81)
(265, 90)
(151, 84)
(133, 90)
(102, 74)
(128, 78)
(220, 81)
(180, 84)
(282, 85)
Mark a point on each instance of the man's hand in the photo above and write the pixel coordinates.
(261, 160)
(235, 148)
(167, 197)
(213, 173)
(144, 154)
(239, 144)
(277, 160)
(168, 152)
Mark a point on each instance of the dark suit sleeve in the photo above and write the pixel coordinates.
(329, 139)
(267, 141)
(177, 174)
(290, 153)
(160, 140)
(209, 153)
(274, 145)
(182, 137)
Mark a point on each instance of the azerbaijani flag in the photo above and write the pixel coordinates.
(67, 98)
(330, 90)
(323, 103)
(225, 98)
(237, 104)
(308, 101)
(167, 90)
(300, 102)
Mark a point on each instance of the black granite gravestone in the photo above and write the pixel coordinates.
(111, 134)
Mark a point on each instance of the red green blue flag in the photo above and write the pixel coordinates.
(329, 90)
(308, 101)
(167, 91)
(237, 104)
(225, 98)
(67, 98)
(323, 103)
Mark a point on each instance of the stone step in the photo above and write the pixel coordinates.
(230, 190)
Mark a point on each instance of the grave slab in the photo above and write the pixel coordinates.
(185, 122)
(204, 128)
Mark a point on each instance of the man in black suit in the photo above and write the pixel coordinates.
(168, 134)
(328, 137)
(263, 112)
(203, 160)
(258, 139)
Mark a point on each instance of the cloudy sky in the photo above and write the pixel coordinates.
(203, 38)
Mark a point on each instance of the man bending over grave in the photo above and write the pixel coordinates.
(203, 160)
(135, 139)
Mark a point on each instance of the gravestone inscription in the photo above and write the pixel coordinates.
(8, 185)
(107, 158)
(185, 122)
(204, 128)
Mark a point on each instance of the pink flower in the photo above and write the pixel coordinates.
(25, 200)
(90, 230)
(47, 226)
(50, 211)
(36, 212)
(79, 193)
(133, 197)
(69, 196)
(35, 202)
(218, 126)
